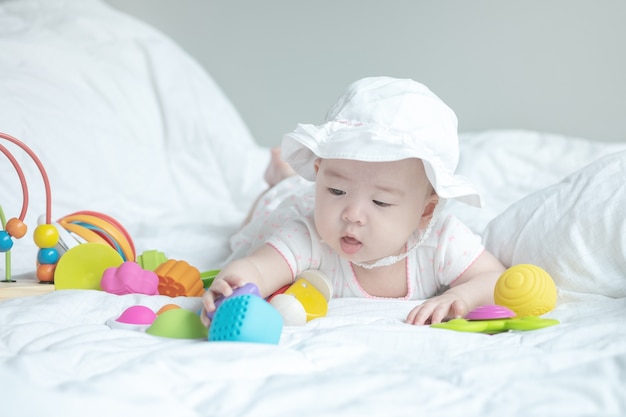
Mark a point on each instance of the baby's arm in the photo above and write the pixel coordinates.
(265, 267)
(472, 289)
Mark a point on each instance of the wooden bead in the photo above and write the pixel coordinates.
(16, 228)
(45, 273)
(46, 236)
(48, 256)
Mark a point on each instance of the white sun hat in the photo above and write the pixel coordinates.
(381, 119)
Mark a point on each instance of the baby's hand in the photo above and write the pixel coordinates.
(221, 286)
(437, 309)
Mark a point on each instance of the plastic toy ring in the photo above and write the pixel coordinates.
(81, 225)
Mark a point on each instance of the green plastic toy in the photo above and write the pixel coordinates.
(496, 325)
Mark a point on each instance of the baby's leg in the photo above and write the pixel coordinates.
(276, 171)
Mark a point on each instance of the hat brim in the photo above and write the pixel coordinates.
(307, 143)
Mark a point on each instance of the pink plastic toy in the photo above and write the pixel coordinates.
(137, 315)
(137, 318)
(129, 278)
(490, 312)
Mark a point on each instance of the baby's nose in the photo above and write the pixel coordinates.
(354, 213)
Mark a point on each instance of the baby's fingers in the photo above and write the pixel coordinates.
(436, 310)
(440, 313)
(204, 318)
(458, 309)
(220, 288)
(420, 314)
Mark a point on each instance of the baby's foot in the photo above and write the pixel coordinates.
(277, 170)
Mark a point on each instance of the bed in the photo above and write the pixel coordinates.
(126, 123)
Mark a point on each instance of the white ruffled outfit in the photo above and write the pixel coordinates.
(283, 218)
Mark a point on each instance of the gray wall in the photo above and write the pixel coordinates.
(556, 66)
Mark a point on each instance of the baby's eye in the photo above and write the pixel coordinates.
(335, 191)
(381, 204)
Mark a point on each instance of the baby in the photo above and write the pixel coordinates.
(366, 208)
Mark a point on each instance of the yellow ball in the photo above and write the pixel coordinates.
(526, 289)
(46, 236)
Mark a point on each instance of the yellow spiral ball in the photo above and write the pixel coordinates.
(526, 289)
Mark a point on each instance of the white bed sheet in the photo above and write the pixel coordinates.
(58, 356)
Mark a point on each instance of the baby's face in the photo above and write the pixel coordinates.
(368, 210)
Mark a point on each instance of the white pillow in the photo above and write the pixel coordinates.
(575, 230)
(507, 165)
(126, 123)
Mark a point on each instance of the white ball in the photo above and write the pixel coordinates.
(320, 281)
(290, 309)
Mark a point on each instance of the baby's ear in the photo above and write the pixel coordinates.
(427, 215)
(316, 165)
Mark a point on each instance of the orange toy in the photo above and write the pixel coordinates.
(167, 307)
(178, 278)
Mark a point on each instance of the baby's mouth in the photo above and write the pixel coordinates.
(350, 245)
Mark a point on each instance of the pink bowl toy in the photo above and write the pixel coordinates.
(137, 315)
(133, 318)
(490, 312)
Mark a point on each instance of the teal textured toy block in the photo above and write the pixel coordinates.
(246, 318)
